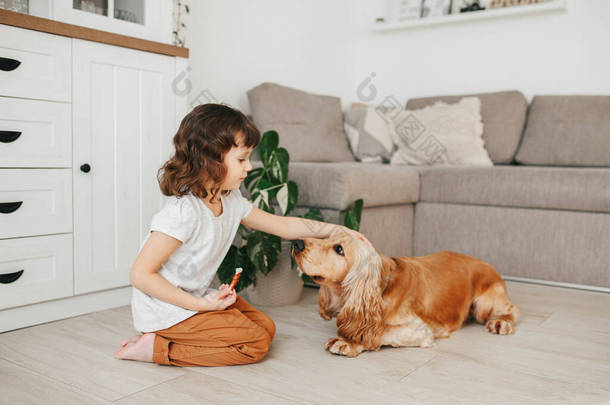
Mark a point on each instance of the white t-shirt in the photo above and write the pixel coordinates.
(205, 242)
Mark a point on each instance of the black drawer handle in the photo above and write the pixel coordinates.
(10, 277)
(7, 208)
(9, 136)
(85, 168)
(8, 64)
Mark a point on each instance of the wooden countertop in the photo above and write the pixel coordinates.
(89, 34)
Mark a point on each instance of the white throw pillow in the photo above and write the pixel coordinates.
(439, 135)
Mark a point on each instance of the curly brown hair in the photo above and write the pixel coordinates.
(205, 135)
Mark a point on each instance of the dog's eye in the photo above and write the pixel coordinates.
(339, 250)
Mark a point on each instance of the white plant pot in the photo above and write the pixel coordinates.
(281, 286)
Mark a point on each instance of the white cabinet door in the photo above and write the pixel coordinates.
(123, 124)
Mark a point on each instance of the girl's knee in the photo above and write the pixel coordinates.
(269, 326)
(265, 322)
(261, 354)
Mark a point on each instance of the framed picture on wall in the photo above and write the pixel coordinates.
(404, 10)
(435, 8)
(458, 4)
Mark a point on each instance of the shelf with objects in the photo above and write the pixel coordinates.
(409, 16)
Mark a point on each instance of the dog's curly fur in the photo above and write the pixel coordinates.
(401, 301)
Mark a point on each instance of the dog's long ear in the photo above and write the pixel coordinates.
(361, 318)
(329, 302)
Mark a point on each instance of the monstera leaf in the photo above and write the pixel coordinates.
(278, 165)
(267, 146)
(353, 215)
(252, 177)
(263, 250)
(287, 196)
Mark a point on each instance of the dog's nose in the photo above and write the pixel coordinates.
(298, 245)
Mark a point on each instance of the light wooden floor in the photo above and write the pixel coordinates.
(559, 354)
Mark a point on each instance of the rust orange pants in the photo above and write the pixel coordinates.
(239, 334)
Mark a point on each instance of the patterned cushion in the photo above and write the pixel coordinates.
(440, 135)
(369, 134)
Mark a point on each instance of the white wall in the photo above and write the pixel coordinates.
(325, 47)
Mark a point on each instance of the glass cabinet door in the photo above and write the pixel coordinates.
(91, 6)
(18, 6)
(125, 10)
(129, 10)
(146, 19)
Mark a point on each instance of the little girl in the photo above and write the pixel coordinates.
(183, 321)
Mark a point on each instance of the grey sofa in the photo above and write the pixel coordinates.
(541, 213)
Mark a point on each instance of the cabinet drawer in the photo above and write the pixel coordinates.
(35, 202)
(34, 133)
(35, 269)
(34, 65)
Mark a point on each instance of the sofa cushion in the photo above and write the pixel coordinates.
(338, 184)
(369, 134)
(582, 189)
(310, 126)
(567, 131)
(503, 116)
(440, 135)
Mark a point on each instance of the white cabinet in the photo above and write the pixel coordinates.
(81, 140)
(123, 112)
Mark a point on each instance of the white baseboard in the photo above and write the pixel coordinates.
(28, 315)
(557, 284)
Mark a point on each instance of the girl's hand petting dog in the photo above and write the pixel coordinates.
(218, 300)
(355, 234)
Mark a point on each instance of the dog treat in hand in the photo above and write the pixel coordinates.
(235, 277)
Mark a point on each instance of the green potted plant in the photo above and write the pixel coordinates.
(259, 251)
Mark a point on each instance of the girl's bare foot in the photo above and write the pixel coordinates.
(132, 339)
(140, 350)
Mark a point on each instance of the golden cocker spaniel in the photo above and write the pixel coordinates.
(400, 301)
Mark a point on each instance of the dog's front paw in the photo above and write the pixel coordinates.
(326, 316)
(499, 326)
(330, 343)
(343, 348)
